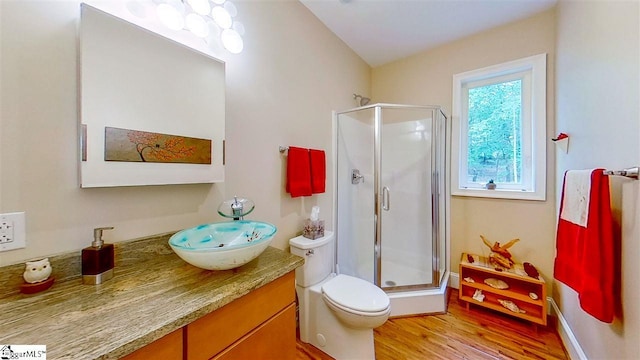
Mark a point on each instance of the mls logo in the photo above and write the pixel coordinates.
(14, 352)
(6, 353)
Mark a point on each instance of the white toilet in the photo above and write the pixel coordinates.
(337, 312)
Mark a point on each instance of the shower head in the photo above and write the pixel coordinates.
(361, 101)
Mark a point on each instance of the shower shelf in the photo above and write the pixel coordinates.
(520, 286)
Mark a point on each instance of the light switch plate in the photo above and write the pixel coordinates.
(12, 231)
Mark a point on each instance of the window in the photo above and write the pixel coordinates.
(499, 129)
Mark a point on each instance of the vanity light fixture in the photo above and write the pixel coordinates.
(221, 17)
(211, 20)
(197, 25)
(201, 7)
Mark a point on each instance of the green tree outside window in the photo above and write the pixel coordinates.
(494, 133)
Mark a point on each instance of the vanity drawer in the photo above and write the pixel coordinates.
(168, 347)
(212, 333)
(275, 339)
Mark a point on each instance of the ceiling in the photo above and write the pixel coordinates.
(381, 31)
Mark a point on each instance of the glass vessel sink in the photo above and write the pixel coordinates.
(224, 245)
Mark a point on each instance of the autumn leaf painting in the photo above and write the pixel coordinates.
(142, 146)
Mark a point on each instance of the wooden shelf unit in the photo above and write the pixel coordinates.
(520, 285)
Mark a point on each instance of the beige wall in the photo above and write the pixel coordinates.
(598, 77)
(426, 78)
(280, 91)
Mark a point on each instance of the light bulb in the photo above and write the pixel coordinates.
(177, 4)
(221, 17)
(137, 9)
(231, 8)
(237, 26)
(201, 7)
(197, 25)
(170, 17)
(232, 41)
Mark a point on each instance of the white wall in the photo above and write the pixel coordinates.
(598, 77)
(280, 91)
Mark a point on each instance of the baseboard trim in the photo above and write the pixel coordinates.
(571, 344)
(569, 340)
(454, 280)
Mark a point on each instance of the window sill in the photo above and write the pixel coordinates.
(500, 194)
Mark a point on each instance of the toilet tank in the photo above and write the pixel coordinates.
(318, 258)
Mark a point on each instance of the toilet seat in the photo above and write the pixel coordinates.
(337, 306)
(356, 296)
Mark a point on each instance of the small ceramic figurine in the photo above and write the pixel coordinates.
(37, 271)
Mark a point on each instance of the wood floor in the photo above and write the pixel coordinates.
(459, 334)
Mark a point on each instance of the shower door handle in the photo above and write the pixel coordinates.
(385, 198)
(356, 177)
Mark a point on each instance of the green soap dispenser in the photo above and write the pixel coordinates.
(97, 260)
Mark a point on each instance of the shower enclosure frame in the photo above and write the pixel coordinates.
(419, 298)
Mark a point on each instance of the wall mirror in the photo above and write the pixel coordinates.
(151, 109)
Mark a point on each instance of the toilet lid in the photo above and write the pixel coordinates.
(356, 294)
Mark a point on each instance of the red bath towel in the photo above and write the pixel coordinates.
(585, 256)
(318, 171)
(298, 172)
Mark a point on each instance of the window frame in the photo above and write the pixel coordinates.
(533, 70)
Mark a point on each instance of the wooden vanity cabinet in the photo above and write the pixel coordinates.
(259, 325)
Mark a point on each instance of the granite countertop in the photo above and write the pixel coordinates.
(153, 293)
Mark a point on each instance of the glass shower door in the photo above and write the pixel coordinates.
(355, 210)
(390, 195)
(406, 213)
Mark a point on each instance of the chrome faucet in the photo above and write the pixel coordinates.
(236, 209)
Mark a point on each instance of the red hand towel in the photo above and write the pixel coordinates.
(298, 172)
(585, 255)
(318, 171)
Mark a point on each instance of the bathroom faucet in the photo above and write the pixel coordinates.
(236, 209)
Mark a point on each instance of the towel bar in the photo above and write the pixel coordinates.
(631, 172)
(283, 149)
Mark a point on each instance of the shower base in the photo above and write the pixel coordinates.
(406, 272)
(396, 273)
(420, 302)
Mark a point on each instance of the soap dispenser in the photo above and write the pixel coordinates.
(97, 260)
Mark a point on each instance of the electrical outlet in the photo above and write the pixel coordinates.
(12, 231)
(6, 231)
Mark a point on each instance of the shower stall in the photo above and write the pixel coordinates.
(391, 202)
